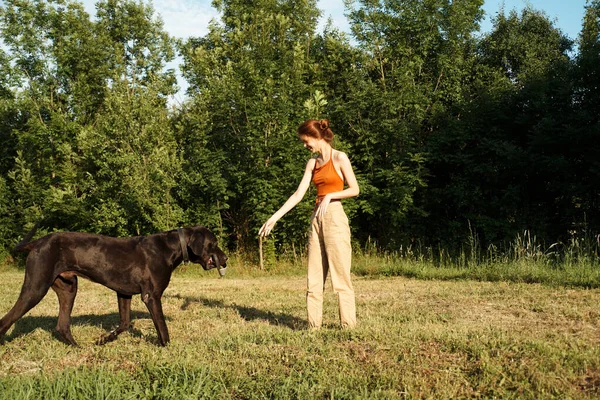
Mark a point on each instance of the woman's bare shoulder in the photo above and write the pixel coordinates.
(311, 163)
(340, 155)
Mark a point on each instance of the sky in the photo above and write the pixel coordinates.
(185, 18)
(190, 18)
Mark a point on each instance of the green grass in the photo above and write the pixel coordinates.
(525, 260)
(245, 337)
(585, 274)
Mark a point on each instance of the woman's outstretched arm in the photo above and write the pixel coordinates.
(291, 201)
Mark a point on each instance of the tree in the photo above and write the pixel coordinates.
(501, 167)
(586, 154)
(417, 58)
(90, 92)
(132, 161)
(248, 79)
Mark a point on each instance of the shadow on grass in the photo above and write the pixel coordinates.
(248, 313)
(28, 324)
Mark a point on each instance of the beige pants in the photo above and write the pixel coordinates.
(329, 251)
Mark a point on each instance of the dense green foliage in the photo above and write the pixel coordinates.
(454, 134)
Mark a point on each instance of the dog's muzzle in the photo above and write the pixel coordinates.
(213, 262)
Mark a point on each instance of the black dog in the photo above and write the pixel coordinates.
(135, 265)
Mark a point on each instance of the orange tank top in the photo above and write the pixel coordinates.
(326, 179)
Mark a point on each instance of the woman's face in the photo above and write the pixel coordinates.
(310, 143)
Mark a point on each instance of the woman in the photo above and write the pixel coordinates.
(329, 247)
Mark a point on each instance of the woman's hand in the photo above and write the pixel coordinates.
(267, 226)
(323, 206)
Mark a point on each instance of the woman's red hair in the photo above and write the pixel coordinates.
(318, 129)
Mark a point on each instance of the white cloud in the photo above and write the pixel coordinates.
(185, 18)
(181, 18)
(335, 10)
(190, 18)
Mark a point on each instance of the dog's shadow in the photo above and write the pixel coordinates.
(28, 324)
(247, 313)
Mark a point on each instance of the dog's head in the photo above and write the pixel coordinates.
(204, 248)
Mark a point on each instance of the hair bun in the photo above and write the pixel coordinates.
(324, 124)
(318, 129)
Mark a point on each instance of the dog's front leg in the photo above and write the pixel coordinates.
(154, 305)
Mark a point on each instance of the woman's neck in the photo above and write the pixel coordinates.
(325, 151)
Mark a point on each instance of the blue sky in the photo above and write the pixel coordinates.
(567, 14)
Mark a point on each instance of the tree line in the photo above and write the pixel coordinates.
(452, 132)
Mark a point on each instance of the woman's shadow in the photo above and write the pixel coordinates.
(247, 313)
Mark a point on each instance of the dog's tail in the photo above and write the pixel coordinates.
(22, 245)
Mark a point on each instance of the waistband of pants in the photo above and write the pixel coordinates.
(332, 201)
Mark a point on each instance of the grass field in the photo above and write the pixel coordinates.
(245, 337)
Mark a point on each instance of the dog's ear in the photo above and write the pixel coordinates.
(196, 242)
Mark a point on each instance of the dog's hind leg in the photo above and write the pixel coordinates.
(65, 286)
(32, 292)
(124, 319)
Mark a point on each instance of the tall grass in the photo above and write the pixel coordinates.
(526, 259)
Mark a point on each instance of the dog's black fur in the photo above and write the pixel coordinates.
(135, 265)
